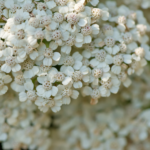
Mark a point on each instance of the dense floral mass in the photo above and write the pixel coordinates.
(52, 52)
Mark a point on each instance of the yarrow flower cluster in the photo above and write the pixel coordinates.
(55, 52)
(29, 126)
(117, 123)
(54, 49)
(144, 4)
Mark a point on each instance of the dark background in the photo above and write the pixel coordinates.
(1, 146)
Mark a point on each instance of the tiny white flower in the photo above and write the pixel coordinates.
(18, 84)
(65, 93)
(76, 76)
(44, 104)
(47, 89)
(101, 57)
(30, 69)
(110, 86)
(117, 60)
(28, 93)
(75, 61)
(4, 79)
(49, 57)
(124, 79)
(11, 62)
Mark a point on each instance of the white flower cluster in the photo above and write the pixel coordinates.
(117, 123)
(22, 126)
(120, 122)
(53, 49)
(35, 49)
(144, 4)
(116, 52)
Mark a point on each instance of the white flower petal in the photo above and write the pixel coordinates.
(127, 58)
(94, 62)
(8, 3)
(77, 85)
(3, 90)
(77, 65)
(7, 79)
(109, 59)
(56, 109)
(47, 61)
(94, 2)
(22, 96)
(106, 68)
(1, 53)
(40, 89)
(53, 71)
(29, 85)
(87, 39)
(56, 56)
(51, 4)
(77, 56)
(86, 78)
(127, 82)
(69, 71)
(95, 28)
(8, 52)
(47, 94)
(114, 89)
(78, 44)
(86, 54)
(115, 50)
(54, 25)
(53, 45)
(84, 70)
(66, 49)
(42, 47)
(17, 88)
(66, 100)
(22, 54)
(130, 23)
(95, 81)
(65, 35)
(54, 90)
(67, 80)
(86, 91)
(34, 55)
(75, 94)
(79, 37)
(82, 22)
(116, 69)
(105, 15)
(108, 49)
(41, 79)
(3, 137)
(106, 76)
(63, 9)
(104, 92)
(6, 68)
(28, 74)
(16, 68)
(35, 70)
(115, 80)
